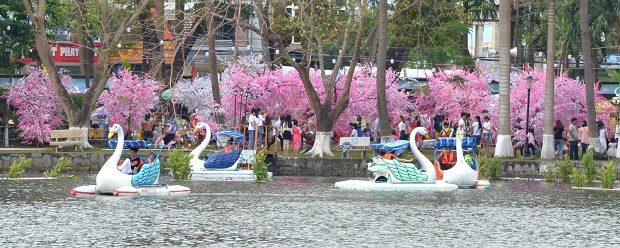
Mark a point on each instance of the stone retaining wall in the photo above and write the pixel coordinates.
(324, 167)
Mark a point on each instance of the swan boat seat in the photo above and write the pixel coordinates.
(222, 160)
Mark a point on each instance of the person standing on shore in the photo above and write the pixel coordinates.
(585, 139)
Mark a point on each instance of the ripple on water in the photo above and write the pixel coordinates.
(292, 211)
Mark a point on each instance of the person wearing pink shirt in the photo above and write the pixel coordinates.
(585, 139)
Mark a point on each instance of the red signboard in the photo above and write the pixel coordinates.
(69, 52)
(65, 52)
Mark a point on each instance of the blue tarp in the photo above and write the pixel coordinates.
(442, 143)
(390, 146)
(131, 144)
(231, 134)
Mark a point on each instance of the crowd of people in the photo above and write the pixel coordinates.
(576, 135)
(294, 136)
(289, 132)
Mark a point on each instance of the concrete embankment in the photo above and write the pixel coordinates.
(88, 162)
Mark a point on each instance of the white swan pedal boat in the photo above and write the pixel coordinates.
(393, 175)
(465, 173)
(223, 166)
(110, 180)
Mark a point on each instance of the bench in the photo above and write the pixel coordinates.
(247, 157)
(354, 144)
(74, 137)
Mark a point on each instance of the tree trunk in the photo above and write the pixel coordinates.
(503, 146)
(150, 41)
(516, 39)
(85, 48)
(530, 58)
(158, 69)
(384, 124)
(6, 115)
(548, 151)
(588, 64)
(215, 85)
(78, 118)
(372, 50)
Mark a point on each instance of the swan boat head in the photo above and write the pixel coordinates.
(201, 125)
(115, 129)
(425, 163)
(195, 161)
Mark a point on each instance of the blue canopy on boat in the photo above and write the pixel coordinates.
(128, 144)
(442, 143)
(390, 146)
(234, 134)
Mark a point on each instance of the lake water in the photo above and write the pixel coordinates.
(309, 212)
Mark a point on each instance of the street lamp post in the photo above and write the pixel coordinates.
(247, 97)
(235, 113)
(529, 80)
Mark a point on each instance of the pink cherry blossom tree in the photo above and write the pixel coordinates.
(281, 92)
(569, 102)
(129, 98)
(197, 95)
(459, 90)
(37, 105)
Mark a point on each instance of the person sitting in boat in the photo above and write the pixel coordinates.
(135, 161)
(391, 156)
(448, 158)
(151, 158)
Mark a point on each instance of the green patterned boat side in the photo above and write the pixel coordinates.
(406, 173)
(148, 174)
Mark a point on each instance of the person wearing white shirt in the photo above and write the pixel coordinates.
(353, 130)
(462, 121)
(486, 133)
(252, 129)
(259, 127)
(275, 132)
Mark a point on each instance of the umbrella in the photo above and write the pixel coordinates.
(100, 113)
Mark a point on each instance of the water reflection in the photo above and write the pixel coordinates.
(290, 212)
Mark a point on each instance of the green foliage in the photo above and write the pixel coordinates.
(550, 176)
(565, 168)
(78, 100)
(614, 75)
(178, 164)
(18, 167)
(589, 167)
(607, 175)
(260, 169)
(578, 178)
(489, 168)
(431, 32)
(62, 163)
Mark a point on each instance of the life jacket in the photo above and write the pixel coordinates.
(448, 158)
(388, 156)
